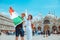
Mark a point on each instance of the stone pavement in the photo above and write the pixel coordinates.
(36, 37)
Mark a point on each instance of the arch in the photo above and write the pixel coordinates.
(54, 29)
(58, 28)
(46, 27)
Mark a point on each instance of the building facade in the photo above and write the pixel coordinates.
(6, 23)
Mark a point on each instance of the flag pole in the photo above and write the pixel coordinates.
(26, 13)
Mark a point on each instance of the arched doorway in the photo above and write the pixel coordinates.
(59, 30)
(46, 27)
(54, 29)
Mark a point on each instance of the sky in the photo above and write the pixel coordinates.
(34, 7)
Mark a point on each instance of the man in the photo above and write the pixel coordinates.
(19, 30)
(18, 21)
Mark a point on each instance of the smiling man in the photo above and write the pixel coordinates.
(18, 21)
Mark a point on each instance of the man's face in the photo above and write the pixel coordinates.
(23, 15)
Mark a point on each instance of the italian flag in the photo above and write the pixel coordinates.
(15, 17)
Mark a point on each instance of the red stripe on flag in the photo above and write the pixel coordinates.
(11, 10)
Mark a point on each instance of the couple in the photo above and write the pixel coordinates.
(19, 22)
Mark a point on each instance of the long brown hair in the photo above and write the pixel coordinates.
(31, 16)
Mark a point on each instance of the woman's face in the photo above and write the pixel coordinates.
(29, 17)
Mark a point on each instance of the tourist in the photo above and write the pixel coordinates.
(18, 21)
(34, 31)
(29, 28)
(39, 30)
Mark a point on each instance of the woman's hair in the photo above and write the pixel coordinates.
(31, 16)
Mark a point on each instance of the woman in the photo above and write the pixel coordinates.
(29, 28)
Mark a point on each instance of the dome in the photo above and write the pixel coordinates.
(51, 16)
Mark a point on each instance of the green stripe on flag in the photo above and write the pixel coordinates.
(17, 20)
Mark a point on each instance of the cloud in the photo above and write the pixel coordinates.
(5, 14)
(1, 9)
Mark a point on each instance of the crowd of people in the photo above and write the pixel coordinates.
(46, 31)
